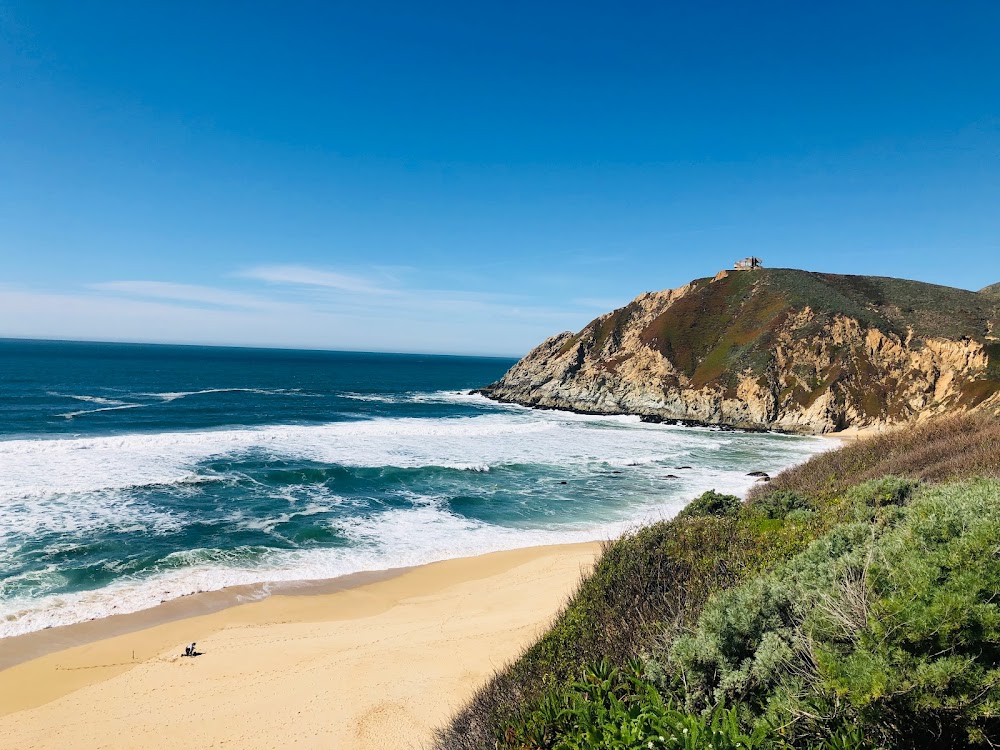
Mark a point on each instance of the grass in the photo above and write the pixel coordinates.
(896, 305)
(938, 450)
(706, 329)
(651, 589)
(612, 326)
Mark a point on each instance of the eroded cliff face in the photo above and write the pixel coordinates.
(745, 356)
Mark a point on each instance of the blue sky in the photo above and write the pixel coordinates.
(472, 177)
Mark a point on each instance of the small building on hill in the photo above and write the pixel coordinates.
(748, 264)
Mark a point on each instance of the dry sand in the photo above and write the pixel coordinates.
(850, 434)
(374, 666)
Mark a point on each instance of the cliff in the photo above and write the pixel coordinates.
(775, 349)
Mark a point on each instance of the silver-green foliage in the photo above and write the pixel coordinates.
(891, 621)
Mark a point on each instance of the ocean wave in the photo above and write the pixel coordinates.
(650, 459)
(378, 398)
(394, 539)
(70, 490)
(480, 468)
(167, 396)
(89, 399)
(44, 467)
(73, 414)
(79, 514)
(416, 397)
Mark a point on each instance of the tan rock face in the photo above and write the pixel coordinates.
(806, 372)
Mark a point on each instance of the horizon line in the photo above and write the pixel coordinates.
(255, 347)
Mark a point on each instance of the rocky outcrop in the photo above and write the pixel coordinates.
(777, 349)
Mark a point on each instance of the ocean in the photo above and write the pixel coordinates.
(135, 474)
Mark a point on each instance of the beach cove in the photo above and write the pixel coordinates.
(373, 666)
(355, 542)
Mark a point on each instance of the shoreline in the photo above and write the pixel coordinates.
(17, 649)
(427, 635)
(646, 418)
(847, 433)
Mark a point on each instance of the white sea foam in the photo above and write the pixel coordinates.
(73, 485)
(61, 474)
(112, 404)
(377, 398)
(463, 398)
(72, 414)
(168, 396)
(32, 468)
(90, 399)
(393, 539)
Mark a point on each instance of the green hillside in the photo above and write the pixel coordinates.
(850, 604)
(725, 326)
(992, 289)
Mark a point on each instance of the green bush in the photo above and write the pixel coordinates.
(612, 709)
(892, 623)
(882, 492)
(660, 575)
(749, 637)
(621, 709)
(779, 504)
(917, 655)
(711, 503)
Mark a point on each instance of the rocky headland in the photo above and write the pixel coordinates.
(775, 349)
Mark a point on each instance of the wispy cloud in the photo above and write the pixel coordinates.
(203, 295)
(296, 305)
(362, 294)
(315, 277)
(392, 325)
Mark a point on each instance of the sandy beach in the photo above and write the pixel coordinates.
(378, 665)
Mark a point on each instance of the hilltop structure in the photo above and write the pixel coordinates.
(748, 264)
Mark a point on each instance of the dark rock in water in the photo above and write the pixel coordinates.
(616, 472)
(657, 419)
(563, 482)
(757, 474)
(682, 467)
(671, 476)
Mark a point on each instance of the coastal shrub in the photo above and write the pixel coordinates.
(892, 625)
(919, 660)
(779, 504)
(882, 492)
(711, 503)
(749, 637)
(619, 709)
(622, 709)
(653, 579)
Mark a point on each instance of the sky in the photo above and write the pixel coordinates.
(474, 177)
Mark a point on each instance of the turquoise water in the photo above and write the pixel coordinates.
(131, 474)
